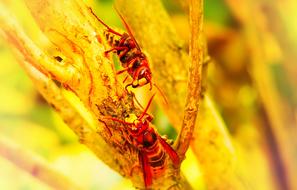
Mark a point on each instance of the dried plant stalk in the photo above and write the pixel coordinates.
(195, 75)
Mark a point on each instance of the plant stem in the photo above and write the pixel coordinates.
(195, 76)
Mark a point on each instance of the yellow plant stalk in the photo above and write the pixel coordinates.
(46, 86)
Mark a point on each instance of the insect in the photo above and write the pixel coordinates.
(152, 148)
(133, 60)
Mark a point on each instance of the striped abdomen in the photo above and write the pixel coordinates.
(154, 152)
(156, 158)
